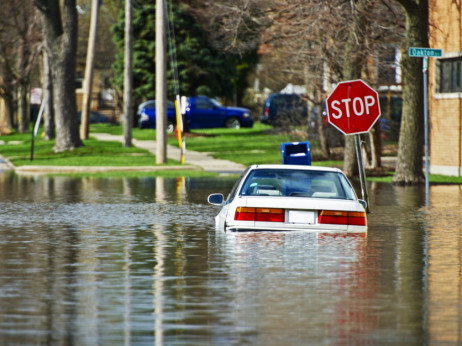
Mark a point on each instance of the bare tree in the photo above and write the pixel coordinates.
(316, 42)
(19, 48)
(60, 35)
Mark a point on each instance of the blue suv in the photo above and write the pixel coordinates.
(284, 110)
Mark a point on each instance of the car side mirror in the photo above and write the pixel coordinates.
(216, 199)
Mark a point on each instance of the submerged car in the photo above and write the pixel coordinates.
(290, 198)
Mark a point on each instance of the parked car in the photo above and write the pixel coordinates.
(282, 110)
(390, 120)
(97, 118)
(147, 115)
(201, 112)
(291, 198)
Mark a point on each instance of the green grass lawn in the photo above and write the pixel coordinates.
(94, 153)
(434, 179)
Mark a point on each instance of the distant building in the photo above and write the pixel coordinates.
(445, 87)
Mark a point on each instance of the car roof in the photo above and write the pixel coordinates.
(295, 167)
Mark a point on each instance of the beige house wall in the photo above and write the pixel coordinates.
(445, 109)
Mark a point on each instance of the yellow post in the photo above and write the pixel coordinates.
(179, 127)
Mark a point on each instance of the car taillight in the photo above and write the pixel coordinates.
(357, 218)
(259, 214)
(269, 214)
(266, 113)
(244, 214)
(342, 217)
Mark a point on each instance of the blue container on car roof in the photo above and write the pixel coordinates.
(296, 153)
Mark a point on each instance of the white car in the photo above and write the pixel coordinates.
(290, 198)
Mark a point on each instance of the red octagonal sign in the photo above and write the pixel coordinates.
(353, 107)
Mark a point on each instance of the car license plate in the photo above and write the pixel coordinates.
(301, 216)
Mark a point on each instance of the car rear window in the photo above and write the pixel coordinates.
(297, 183)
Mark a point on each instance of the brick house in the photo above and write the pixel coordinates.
(445, 87)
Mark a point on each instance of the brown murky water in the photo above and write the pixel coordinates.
(137, 261)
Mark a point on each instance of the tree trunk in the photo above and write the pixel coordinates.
(322, 132)
(352, 67)
(23, 109)
(49, 114)
(10, 108)
(61, 43)
(376, 146)
(410, 151)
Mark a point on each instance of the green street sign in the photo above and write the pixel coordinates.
(425, 52)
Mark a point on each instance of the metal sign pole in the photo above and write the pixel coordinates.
(425, 53)
(36, 128)
(425, 92)
(362, 173)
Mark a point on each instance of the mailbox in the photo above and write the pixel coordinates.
(296, 153)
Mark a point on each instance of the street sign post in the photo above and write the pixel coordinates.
(425, 53)
(353, 108)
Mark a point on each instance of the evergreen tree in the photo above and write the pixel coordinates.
(201, 68)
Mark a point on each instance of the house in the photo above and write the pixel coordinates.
(445, 88)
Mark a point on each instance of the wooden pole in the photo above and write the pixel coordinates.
(161, 84)
(128, 74)
(88, 81)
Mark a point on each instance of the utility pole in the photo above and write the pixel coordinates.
(128, 75)
(88, 81)
(161, 84)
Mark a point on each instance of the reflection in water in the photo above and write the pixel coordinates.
(137, 261)
(158, 284)
(294, 275)
(128, 241)
(444, 287)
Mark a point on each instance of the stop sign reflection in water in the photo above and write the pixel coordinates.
(353, 107)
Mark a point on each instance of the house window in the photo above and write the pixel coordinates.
(450, 75)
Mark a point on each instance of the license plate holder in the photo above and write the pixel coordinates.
(301, 216)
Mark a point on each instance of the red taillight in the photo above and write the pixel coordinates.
(269, 215)
(259, 214)
(266, 113)
(342, 217)
(333, 217)
(357, 218)
(244, 214)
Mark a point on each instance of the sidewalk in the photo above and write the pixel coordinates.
(194, 158)
(193, 161)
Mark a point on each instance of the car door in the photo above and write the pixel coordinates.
(203, 114)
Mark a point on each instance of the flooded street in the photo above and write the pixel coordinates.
(89, 261)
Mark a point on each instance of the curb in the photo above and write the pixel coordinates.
(96, 169)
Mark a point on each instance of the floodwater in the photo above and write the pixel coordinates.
(138, 262)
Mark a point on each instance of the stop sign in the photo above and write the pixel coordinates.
(353, 107)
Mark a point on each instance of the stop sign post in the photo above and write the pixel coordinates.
(353, 108)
